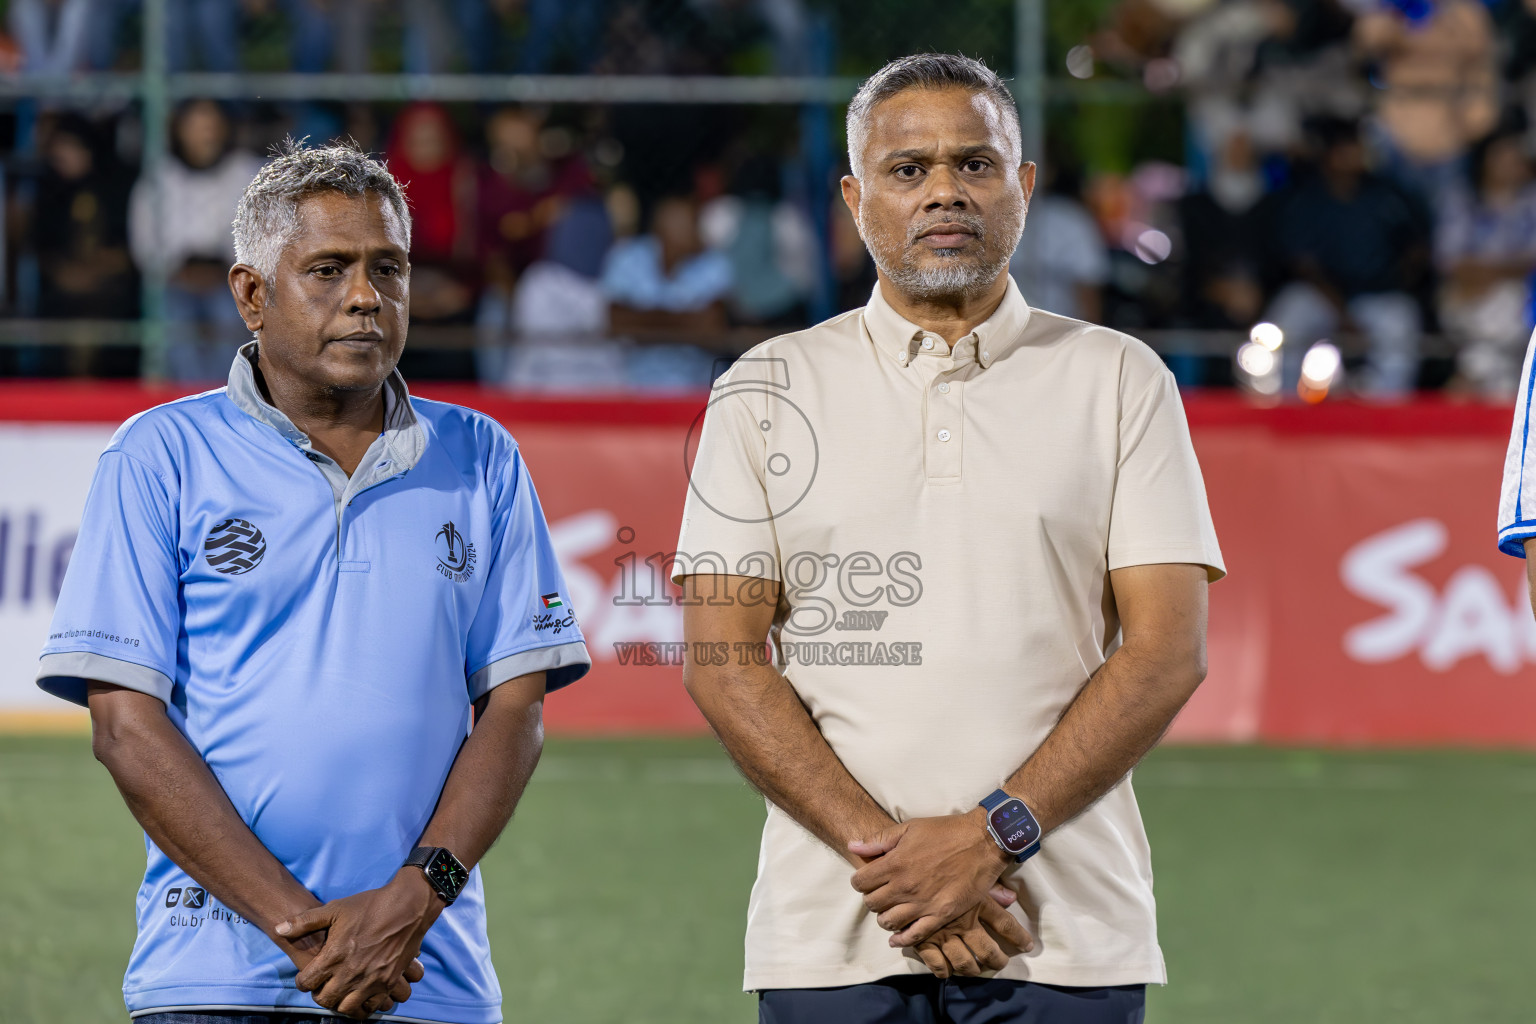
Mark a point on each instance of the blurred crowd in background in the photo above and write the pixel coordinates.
(1356, 170)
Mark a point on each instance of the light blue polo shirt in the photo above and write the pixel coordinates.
(319, 641)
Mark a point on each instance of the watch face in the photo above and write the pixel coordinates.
(1014, 826)
(447, 874)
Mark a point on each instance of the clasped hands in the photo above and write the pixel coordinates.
(933, 882)
(357, 955)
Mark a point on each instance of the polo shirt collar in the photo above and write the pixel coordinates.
(901, 339)
(403, 435)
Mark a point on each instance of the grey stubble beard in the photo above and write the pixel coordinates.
(956, 277)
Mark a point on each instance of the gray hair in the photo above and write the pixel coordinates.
(268, 214)
(928, 71)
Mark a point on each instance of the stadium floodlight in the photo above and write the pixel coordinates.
(1268, 335)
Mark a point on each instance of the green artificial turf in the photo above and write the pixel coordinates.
(1292, 885)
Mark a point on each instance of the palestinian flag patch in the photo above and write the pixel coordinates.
(552, 600)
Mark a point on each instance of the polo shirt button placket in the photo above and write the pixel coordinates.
(945, 416)
(943, 450)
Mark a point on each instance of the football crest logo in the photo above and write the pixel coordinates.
(455, 554)
(234, 547)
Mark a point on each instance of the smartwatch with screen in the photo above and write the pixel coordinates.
(444, 872)
(1012, 825)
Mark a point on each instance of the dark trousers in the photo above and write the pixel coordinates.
(922, 999)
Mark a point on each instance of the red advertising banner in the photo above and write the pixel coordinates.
(1366, 568)
(1366, 603)
(613, 495)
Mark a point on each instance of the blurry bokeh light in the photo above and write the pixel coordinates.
(1153, 246)
(1320, 370)
(1256, 360)
(1080, 61)
(1321, 364)
(1268, 335)
(1258, 369)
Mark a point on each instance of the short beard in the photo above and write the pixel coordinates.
(959, 275)
(954, 278)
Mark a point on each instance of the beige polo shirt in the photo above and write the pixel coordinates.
(944, 524)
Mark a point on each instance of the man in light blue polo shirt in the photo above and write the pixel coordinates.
(290, 599)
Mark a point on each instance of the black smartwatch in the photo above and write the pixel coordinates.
(1012, 825)
(444, 872)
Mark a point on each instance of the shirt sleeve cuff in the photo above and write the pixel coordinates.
(1512, 538)
(760, 565)
(562, 665)
(1215, 569)
(69, 675)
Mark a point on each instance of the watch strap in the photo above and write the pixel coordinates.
(995, 799)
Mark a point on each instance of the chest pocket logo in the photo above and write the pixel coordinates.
(235, 547)
(455, 554)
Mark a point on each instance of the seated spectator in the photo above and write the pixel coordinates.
(560, 314)
(214, 24)
(187, 237)
(1262, 67)
(1220, 48)
(1062, 263)
(1228, 229)
(1138, 31)
(667, 288)
(425, 154)
(80, 229)
(771, 245)
(54, 36)
(519, 192)
(1438, 66)
(433, 33)
(1355, 246)
(1228, 44)
(1485, 246)
(667, 280)
(562, 294)
(211, 28)
(12, 59)
(565, 35)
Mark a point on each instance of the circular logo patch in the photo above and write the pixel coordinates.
(234, 547)
(455, 554)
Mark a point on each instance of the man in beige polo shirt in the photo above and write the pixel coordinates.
(942, 550)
